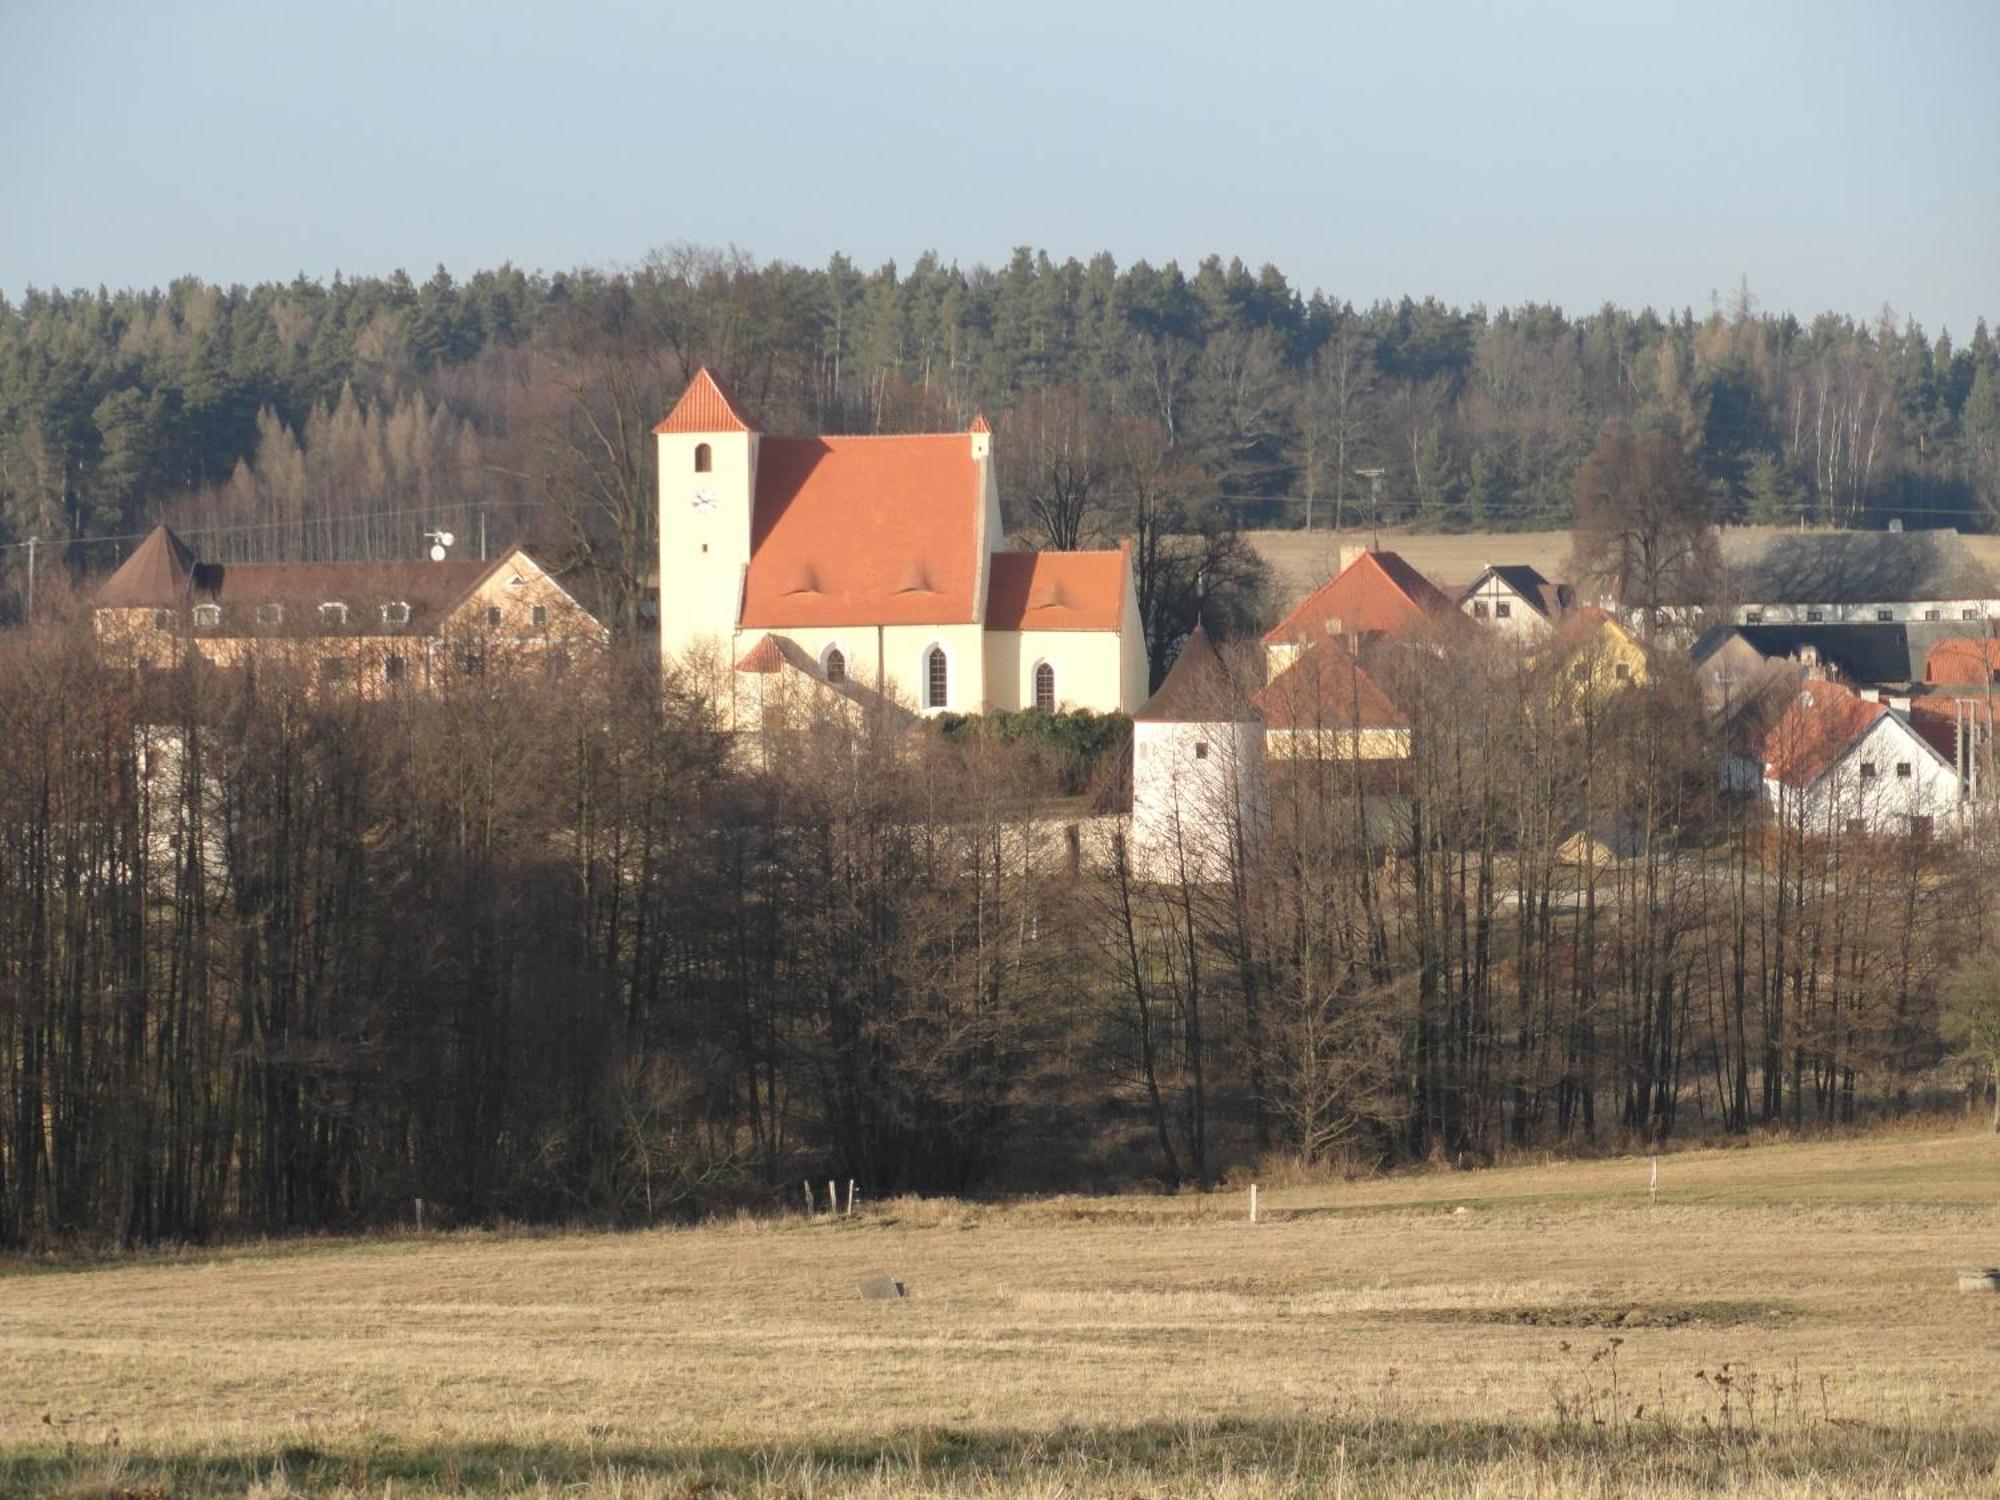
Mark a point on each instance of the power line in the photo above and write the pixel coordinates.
(250, 526)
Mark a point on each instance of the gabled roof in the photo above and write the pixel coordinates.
(1199, 689)
(706, 406)
(1589, 620)
(1865, 567)
(764, 657)
(1376, 594)
(1056, 590)
(864, 531)
(1548, 599)
(155, 576)
(1326, 688)
(1816, 732)
(1867, 652)
(1963, 661)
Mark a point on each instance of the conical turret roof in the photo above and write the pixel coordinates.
(155, 576)
(1199, 689)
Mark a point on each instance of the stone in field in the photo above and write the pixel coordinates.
(882, 1289)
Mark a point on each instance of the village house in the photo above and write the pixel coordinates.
(1846, 761)
(1325, 706)
(1865, 577)
(370, 626)
(1374, 597)
(1603, 655)
(1963, 661)
(837, 570)
(1515, 599)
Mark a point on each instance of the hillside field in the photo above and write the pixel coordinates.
(1302, 560)
(1784, 1321)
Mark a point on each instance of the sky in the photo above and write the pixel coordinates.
(1839, 156)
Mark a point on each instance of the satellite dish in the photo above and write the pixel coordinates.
(445, 538)
(437, 552)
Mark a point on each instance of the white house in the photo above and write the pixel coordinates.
(1841, 761)
(875, 564)
(1515, 599)
(1865, 577)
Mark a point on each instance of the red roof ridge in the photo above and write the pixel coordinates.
(762, 657)
(706, 406)
(979, 423)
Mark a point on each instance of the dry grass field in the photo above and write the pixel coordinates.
(1785, 1321)
(1300, 561)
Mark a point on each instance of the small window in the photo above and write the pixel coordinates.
(332, 669)
(1868, 770)
(1814, 616)
(836, 664)
(161, 619)
(493, 617)
(540, 615)
(1045, 688)
(704, 459)
(394, 668)
(1968, 614)
(397, 613)
(1884, 616)
(1903, 770)
(1201, 749)
(270, 614)
(1478, 609)
(472, 662)
(333, 614)
(937, 678)
(1933, 614)
(1753, 617)
(208, 614)
(1857, 825)
(517, 582)
(1622, 671)
(1503, 610)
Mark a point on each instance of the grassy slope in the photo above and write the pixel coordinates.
(1087, 1344)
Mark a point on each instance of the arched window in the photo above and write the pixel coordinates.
(1045, 687)
(704, 459)
(937, 678)
(835, 664)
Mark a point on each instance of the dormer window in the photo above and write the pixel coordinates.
(704, 458)
(397, 613)
(333, 614)
(208, 614)
(270, 614)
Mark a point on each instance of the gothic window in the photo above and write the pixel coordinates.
(836, 664)
(1045, 687)
(937, 678)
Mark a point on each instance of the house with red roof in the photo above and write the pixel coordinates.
(1325, 706)
(1374, 595)
(877, 563)
(1963, 661)
(1843, 761)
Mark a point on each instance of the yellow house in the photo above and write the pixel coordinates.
(872, 567)
(1600, 656)
(375, 626)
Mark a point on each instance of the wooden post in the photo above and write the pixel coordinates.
(809, 1198)
(850, 1197)
(1653, 1186)
(832, 1199)
(1253, 1203)
(420, 1216)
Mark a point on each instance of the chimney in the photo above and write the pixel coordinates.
(1349, 556)
(1868, 695)
(1900, 702)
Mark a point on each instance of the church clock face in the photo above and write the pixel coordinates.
(704, 499)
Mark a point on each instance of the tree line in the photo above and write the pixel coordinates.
(340, 418)
(274, 958)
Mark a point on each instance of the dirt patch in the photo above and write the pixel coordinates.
(1621, 1315)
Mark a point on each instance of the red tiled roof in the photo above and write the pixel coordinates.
(979, 423)
(1056, 591)
(1819, 728)
(1326, 688)
(1376, 594)
(1963, 661)
(864, 531)
(706, 406)
(762, 657)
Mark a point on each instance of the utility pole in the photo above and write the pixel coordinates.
(31, 575)
(1374, 478)
(482, 533)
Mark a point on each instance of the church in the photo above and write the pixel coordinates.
(874, 569)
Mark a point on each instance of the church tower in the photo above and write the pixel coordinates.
(708, 490)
